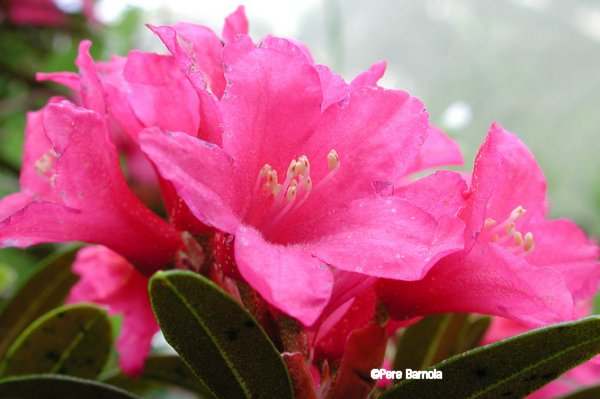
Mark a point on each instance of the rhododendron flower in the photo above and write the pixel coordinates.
(584, 375)
(42, 12)
(108, 279)
(516, 264)
(294, 183)
(72, 189)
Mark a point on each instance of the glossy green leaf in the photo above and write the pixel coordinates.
(511, 368)
(586, 393)
(74, 340)
(161, 370)
(58, 387)
(218, 339)
(44, 291)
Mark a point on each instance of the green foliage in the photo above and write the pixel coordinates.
(511, 368)
(73, 339)
(46, 290)
(161, 370)
(218, 339)
(58, 387)
(438, 337)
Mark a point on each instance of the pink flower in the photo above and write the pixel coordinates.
(516, 264)
(108, 279)
(294, 182)
(72, 189)
(42, 12)
(584, 375)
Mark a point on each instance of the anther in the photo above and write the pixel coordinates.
(528, 242)
(517, 213)
(333, 160)
(518, 238)
(290, 194)
(489, 222)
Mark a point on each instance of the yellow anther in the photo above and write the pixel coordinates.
(294, 168)
(43, 165)
(528, 242)
(272, 176)
(517, 213)
(267, 187)
(518, 238)
(276, 189)
(291, 192)
(293, 183)
(333, 160)
(489, 222)
(264, 171)
(304, 165)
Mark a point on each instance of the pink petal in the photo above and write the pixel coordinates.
(204, 48)
(439, 194)
(210, 114)
(561, 245)
(39, 160)
(67, 79)
(236, 23)
(505, 176)
(158, 90)
(31, 12)
(108, 279)
(335, 89)
(259, 117)
(487, 280)
(438, 150)
(202, 175)
(370, 77)
(286, 276)
(92, 93)
(95, 203)
(332, 337)
(383, 238)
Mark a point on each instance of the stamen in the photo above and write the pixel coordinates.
(264, 171)
(305, 165)
(518, 238)
(517, 213)
(333, 160)
(489, 222)
(528, 242)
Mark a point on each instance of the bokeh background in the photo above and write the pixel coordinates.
(532, 65)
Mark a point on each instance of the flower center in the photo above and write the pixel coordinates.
(505, 233)
(280, 199)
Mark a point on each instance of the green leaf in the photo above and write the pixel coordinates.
(58, 387)
(162, 370)
(586, 393)
(217, 338)
(429, 341)
(44, 291)
(511, 368)
(74, 340)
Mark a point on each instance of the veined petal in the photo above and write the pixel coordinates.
(202, 175)
(95, 203)
(505, 176)
(158, 90)
(267, 114)
(210, 113)
(287, 277)
(438, 150)
(486, 280)
(388, 238)
(561, 245)
(439, 194)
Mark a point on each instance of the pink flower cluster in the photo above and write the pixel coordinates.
(292, 181)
